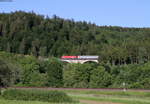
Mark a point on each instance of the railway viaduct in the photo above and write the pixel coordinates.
(79, 59)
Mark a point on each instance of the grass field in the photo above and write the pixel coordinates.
(128, 97)
(115, 97)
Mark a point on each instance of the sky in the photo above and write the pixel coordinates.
(125, 13)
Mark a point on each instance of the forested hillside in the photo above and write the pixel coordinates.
(24, 37)
(32, 34)
(27, 70)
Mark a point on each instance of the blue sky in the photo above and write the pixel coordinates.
(125, 13)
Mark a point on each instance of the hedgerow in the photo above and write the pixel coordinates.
(36, 95)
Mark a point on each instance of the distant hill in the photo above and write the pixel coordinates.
(29, 33)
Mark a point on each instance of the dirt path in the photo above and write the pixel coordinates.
(95, 102)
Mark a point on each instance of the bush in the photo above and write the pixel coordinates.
(77, 75)
(54, 73)
(136, 85)
(9, 73)
(36, 95)
(100, 78)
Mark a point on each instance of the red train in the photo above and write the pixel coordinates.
(68, 57)
(79, 57)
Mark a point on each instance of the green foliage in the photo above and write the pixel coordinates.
(9, 74)
(100, 78)
(26, 70)
(54, 70)
(32, 34)
(77, 75)
(135, 76)
(30, 70)
(36, 95)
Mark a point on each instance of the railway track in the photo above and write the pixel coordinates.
(92, 89)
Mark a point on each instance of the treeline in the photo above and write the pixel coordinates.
(32, 34)
(20, 70)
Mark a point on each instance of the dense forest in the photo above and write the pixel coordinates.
(27, 70)
(32, 34)
(27, 39)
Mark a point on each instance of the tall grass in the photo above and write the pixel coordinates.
(36, 95)
(3, 101)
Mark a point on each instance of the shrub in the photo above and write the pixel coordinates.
(136, 85)
(100, 78)
(36, 95)
(9, 73)
(54, 73)
(77, 75)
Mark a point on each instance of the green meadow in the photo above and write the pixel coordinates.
(100, 96)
